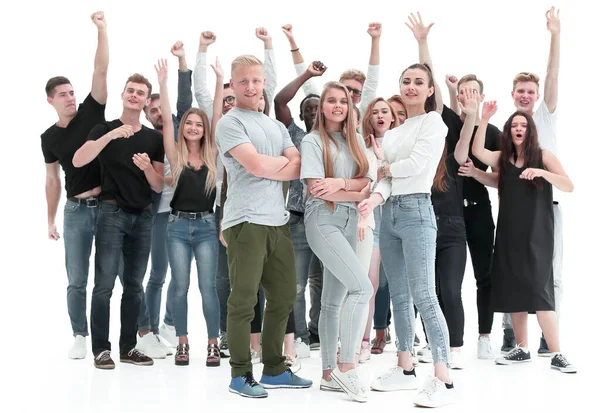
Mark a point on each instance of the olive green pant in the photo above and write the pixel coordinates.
(264, 255)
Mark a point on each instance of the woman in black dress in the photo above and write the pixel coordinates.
(522, 278)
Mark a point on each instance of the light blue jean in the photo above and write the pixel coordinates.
(197, 237)
(408, 246)
(332, 235)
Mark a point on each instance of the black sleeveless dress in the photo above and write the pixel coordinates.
(522, 277)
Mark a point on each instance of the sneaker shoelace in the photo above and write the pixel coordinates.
(431, 387)
(562, 360)
(104, 356)
(249, 379)
(355, 381)
(514, 353)
(391, 372)
(135, 352)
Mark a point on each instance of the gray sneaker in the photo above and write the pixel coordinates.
(223, 347)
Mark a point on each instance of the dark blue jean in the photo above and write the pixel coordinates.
(381, 319)
(79, 228)
(119, 232)
(151, 301)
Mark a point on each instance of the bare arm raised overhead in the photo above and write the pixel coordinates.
(308, 87)
(99, 86)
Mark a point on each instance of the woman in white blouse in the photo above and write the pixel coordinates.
(408, 235)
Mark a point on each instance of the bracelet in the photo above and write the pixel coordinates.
(346, 184)
(295, 50)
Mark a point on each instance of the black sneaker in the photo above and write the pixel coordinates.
(134, 356)
(560, 362)
(103, 361)
(515, 356)
(388, 336)
(223, 347)
(508, 342)
(544, 351)
(314, 341)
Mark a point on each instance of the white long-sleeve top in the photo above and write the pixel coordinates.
(413, 151)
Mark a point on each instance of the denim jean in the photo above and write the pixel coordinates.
(315, 288)
(408, 246)
(119, 232)
(303, 256)
(223, 284)
(381, 321)
(79, 228)
(150, 310)
(332, 235)
(197, 237)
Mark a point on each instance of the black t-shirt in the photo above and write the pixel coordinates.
(190, 194)
(473, 190)
(60, 144)
(122, 180)
(449, 202)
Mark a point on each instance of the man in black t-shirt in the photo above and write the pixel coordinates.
(131, 157)
(59, 142)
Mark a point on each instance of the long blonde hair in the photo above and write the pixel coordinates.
(208, 151)
(348, 132)
(367, 127)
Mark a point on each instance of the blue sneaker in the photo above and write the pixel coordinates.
(286, 380)
(246, 386)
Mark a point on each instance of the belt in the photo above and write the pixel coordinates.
(300, 214)
(190, 215)
(468, 203)
(91, 202)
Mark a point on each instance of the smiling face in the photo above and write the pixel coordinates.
(415, 88)
(63, 100)
(381, 118)
(135, 96)
(193, 128)
(524, 95)
(248, 83)
(228, 99)
(475, 87)
(154, 114)
(334, 106)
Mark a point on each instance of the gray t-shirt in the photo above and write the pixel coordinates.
(343, 163)
(296, 192)
(250, 198)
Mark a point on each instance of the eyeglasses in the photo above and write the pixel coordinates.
(354, 92)
(229, 99)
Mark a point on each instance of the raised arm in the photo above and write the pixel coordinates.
(490, 158)
(420, 31)
(201, 92)
(269, 63)
(308, 87)
(99, 87)
(53, 189)
(461, 152)
(97, 140)
(218, 103)
(369, 91)
(553, 173)
(551, 82)
(285, 95)
(165, 107)
(452, 85)
(184, 80)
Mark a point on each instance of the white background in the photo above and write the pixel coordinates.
(495, 40)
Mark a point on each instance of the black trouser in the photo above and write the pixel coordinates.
(315, 287)
(256, 324)
(479, 226)
(450, 262)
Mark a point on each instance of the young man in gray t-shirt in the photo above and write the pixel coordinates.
(258, 155)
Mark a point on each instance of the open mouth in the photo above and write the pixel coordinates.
(380, 122)
(519, 136)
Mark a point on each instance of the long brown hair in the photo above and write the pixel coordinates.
(430, 104)
(532, 154)
(367, 128)
(208, 151)
(439, 181)
(348, 132)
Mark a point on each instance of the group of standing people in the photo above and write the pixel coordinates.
(384, 197)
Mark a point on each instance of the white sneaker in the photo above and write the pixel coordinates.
(163, 344)
(425, 355)
(302, 349)
(436, 393)
(150, 346)
(330, 385)
(293, 363)
(365, 352)
(168, 334)
(396, 379)
(484, 348)
(350, 383)
(457, 360)
(256, 356)
(79, 349)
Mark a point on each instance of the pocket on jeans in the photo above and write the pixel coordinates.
(106, 208)
(294, 220)
(70, 207)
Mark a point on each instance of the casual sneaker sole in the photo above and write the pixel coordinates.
(76, 357)
(486, 357)
(315, 347)
(509, 362)
(284, 386)
(568, 370)
(385, 389)
(544, 354)
(225, 352)
(333, 389)
(433, 405)
(136, 363)
(353, 396)
(249, 396)
(111, 367)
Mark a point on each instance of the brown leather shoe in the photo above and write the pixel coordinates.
(103, 361)
(134, 356)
